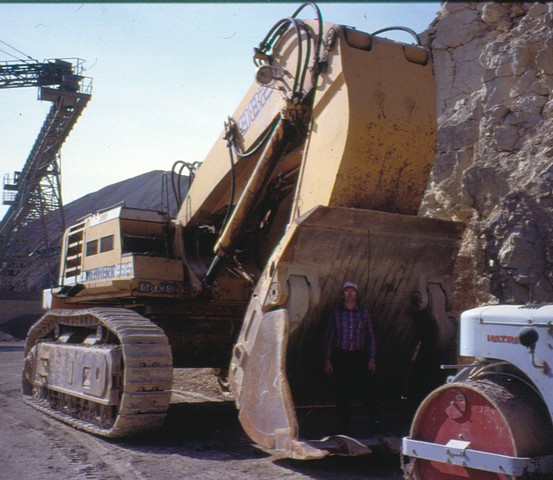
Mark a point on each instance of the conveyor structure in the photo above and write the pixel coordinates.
(34, 194)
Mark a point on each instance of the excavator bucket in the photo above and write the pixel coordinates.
(400, 263)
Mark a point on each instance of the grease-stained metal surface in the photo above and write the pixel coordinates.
(277, 361)
(85, 372)
(374, 130)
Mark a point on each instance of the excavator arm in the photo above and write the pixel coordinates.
(333, 116)
(288, 64)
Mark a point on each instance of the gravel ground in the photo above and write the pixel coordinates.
(199, 440)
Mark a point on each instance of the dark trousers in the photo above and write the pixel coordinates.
(352, 383)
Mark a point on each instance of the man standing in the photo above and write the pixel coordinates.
(350, 355)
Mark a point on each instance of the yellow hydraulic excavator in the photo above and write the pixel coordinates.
(317, 178)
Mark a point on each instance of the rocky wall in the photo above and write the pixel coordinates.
(494, 169)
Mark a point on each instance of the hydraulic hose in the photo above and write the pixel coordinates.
(226, 245)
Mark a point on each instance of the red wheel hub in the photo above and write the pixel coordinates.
(497, 416)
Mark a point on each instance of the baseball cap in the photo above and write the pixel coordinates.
(349, 284)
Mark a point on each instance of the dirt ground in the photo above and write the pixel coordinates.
(199, 440)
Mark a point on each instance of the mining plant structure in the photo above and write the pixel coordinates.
(33, 194)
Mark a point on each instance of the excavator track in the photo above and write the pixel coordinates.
(140, 374)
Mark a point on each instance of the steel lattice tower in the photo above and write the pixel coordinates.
(34, 194)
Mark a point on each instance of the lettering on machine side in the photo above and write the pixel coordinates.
(253, 109)
(503, 339)
(111, 271)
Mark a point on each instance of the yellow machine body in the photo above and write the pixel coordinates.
(371, 143)
(315, 180)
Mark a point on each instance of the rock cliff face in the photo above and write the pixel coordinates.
(494, 170)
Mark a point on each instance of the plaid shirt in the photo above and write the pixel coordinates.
(350, 330)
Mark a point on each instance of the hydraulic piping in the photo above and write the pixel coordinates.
(277, 138)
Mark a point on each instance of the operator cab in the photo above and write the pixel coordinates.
(119, 250)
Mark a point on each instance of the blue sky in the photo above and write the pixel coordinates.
(165, 77)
